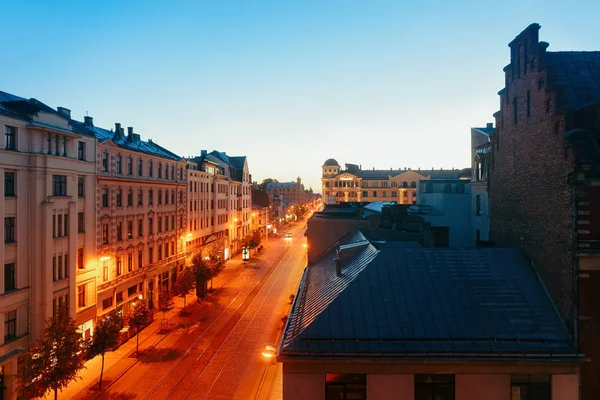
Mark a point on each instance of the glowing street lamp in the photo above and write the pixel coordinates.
(269, 351)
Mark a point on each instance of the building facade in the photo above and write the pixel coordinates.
(480, 164)
(544, 179)
(141, 220)
(291, 192)
(354, 184)
(47, 246)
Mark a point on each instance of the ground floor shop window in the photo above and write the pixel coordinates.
(530, 387)
(346, 387)
(434, 387)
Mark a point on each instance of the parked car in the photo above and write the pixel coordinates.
(288, 235)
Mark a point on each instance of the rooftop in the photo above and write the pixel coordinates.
(410, 302)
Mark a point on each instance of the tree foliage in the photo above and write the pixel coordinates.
(106, 338)
(138, 320)
(255, 239)
(165, 302)
(201, 273)
(184, 284)
(55, 359)
(263, 185)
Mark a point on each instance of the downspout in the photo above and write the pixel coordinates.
(575, 259)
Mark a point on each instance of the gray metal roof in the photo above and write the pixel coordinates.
(386, 173)
(141, 146)
(410, 302)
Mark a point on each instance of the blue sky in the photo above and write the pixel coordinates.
(288, 83)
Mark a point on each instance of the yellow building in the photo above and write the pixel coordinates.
(355, 184)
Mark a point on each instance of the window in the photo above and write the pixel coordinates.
(9, 229)
(166, 197)
(530, 387)
(105, 270)
(129, 229)
(159, 226)
(140, 198)
(10, 133)
(9, 277)
(150, 171)
(129, 197)
(59, 268)
(66, 221)
(160, 170)
(81, 151)
(150, 197)
(159, 256)
(119, 297)
(150, 227)
(81, 296)
(59, 185)
(345, 386)
(119, 266)
(131, 290)
(118, 164)
(439, 387)
(9, 184)
(105, 197)
(129, 166)
(104, 233)
(478, 204)
(172, 196)
(49, 143)
(119, 231)
(60, 226)
(365, 194)
(129, 262)
(139, 167)
(10, 325)
(64, 146)
(80, 259)
(374, 193)
(119, 197)
(159, 197)
(140, 228)
(104, 162)
(80, 186)
(139, 259)
(150, 259)
(107, 303)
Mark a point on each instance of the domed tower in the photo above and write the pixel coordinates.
(331, 167)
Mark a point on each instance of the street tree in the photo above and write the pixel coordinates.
(213, 260)
(201, 273)
(138, 320)
(55, 359)
(106, 338)
(184, 284)
(165, 302)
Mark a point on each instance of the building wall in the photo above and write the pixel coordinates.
(482, 386)
(480, 219)
(38, 240)
(530, 198)
(565, 387)
(303, 386)
(390, 386)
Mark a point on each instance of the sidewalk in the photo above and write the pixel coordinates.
(119, 361)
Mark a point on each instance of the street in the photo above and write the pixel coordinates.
(215, 351)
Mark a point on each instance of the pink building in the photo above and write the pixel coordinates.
(141, 218)
(47, 246)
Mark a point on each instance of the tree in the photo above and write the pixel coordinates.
(201, 273)
(106, 338)
(254, 239)
(165, 302)
(55, 359)
(263, 185)
(184, 284)
(138, 320)
(212, 260)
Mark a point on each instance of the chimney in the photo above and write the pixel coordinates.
(203, 153)
(490, 125)
(88, 121)
(150, 141)
(338, 266)
(65, 112)
(117, 129)
(130, 133)
(136, 137)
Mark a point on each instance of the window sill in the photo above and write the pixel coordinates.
(10, 196)
(60, 196)
(10, 241)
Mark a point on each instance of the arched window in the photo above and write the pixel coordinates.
(404, 184)
(413, 184)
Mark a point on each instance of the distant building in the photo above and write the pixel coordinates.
(446, 205)
(480, 164)
(544, 180)
(354, 184)
(291, 192)
(394, 320)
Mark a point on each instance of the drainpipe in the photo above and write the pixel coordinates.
(572, 180)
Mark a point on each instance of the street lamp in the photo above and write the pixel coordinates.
(269, 351)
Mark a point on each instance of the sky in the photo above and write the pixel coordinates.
(289, 84)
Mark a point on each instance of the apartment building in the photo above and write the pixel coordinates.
(47, 246)
(291, 192)
(220, 201)
(141, 219)
(355, 184)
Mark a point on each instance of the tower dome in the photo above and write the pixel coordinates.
(331, 162)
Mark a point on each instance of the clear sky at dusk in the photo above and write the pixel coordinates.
(289, 84)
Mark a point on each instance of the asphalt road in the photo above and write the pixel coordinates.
(216, 353)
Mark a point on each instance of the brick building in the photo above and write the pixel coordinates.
(544, 180)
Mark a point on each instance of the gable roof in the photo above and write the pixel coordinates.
(425, 302)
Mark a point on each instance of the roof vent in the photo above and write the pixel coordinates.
(88, 121)
(150, 141)
(65, 112)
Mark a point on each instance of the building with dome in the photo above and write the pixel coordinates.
(354, 184)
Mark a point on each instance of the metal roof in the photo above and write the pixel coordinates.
(406, 301)
(141, 146)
